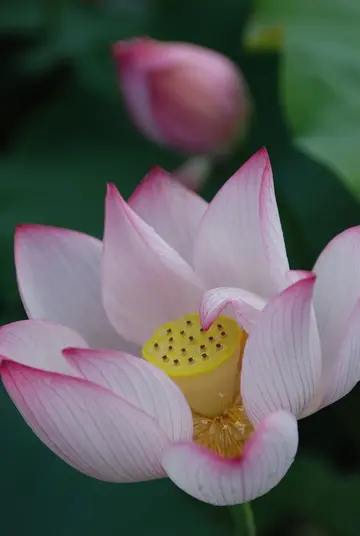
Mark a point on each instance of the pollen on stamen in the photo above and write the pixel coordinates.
(226, 434)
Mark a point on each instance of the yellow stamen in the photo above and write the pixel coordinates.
(206, 366)
(225, 434)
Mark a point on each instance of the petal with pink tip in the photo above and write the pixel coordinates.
(88, 426)
(245, 305)
(282, 359)
(58, 274)
(336, 293)
(38, 344)
(240, 241)
(266, 459)
(346, 372)
(139, 383)
(171, 209)
(145, 281)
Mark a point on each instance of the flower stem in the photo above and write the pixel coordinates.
(249, 519)
(243, 516)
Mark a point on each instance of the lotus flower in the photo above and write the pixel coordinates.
(195, 352)
(182, 95)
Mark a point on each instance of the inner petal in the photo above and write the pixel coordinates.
(206, 365)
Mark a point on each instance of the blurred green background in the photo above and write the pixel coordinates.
(64, 134)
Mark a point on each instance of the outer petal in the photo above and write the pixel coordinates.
(58, 274)
(200, 104)
(346, 372)
(246, 306)
(215, 480)
(145, 281)
(89, 427)
(139, 383)
(171, 209)
(134, 59)
(38, 344)
(336, 293)
(240, 242)
(282, 359)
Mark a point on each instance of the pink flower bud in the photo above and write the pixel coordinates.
(182, 95)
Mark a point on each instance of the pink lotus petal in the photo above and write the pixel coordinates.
(293, 276)
(139, 383)
(58, 274)
(145, 281)
(88, 426)
(336, 293)
(171, 209)
(240, 242)
(346, 372)
(38, 344)
(134, 84)
(245, 305)
(265, 461)
(282, 359)
(200, 107)
(150, 55)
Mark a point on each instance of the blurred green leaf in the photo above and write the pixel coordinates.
(68, 29)
(320, 77)
(58, 170)
(315, 491)
(20, 15)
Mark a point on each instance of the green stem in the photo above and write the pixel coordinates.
(243, 516)
(249, 519)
